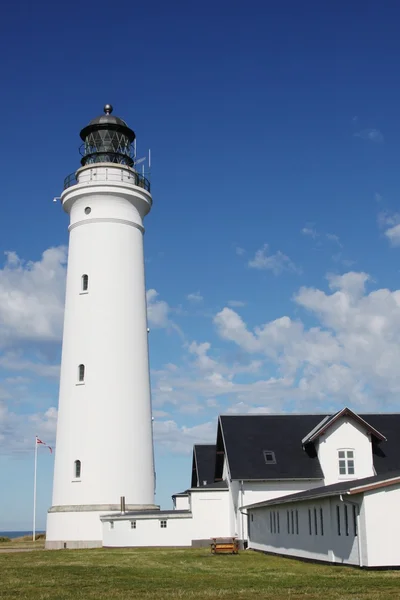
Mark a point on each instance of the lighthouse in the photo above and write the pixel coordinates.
(104, 444)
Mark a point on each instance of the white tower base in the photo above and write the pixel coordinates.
(80, 526)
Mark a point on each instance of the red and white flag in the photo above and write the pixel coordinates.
(44, 444)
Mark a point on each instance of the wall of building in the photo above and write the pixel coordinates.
(251, 492)
(382, 533)
(209, 517)
(286, 529)
(75, 529)
(181, 502)
(345, 434)
(148, 532)
(210, 512)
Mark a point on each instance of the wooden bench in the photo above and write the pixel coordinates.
(224, 546)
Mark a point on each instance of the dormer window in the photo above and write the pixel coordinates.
(346, 461)
(269, 457)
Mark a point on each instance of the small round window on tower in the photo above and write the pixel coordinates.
(88, 210)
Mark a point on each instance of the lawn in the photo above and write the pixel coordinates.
(174, 573)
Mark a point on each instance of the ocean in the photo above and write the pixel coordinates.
(16, 534)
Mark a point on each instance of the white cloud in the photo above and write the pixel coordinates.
(390, 223)
(240, 251)
(180, 439)
(310, 231)
(352, 356)
(393, 235)
(372, 135)
(195, 297)
(15, 361)
(17, 431)
(32, 297)
(236, 303)
(276, 263)
(158, 312)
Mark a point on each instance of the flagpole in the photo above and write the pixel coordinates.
(34, 493)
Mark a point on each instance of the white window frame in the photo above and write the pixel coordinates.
(346, 462)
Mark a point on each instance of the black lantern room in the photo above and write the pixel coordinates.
(107, 139)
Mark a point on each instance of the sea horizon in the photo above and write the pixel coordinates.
(16, 534)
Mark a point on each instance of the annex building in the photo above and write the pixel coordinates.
(319, 487)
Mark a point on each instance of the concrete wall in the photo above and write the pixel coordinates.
(382, 535)
(209, 517)
(148, 532)
(348, 434)
(323, 543)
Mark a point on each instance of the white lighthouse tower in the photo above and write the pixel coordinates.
(104, 446)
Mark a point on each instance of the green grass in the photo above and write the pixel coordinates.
(187, 574)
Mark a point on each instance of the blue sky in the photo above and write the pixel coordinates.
(272, 246)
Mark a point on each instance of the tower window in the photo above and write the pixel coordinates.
(85, 283)
(133, 524)
(88, 210)
(111, 524)
(81, 373)
(77, 469)
(163, 524)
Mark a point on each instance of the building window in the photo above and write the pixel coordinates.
(252, 517)
(292, 521)
(297, 521)
(269, 457)
(346, 520)
(309, 522)
(321, 520)
(133, 524)
(85, 283)
(270, 521)
(346, 462)
(111, 524)
(355, 519)
(81, 373)
(77, 469)
(338, 519)
(274, 521)
(277, 521)
(288, 521)
(163, 524)
(315, 522)
(88, 210)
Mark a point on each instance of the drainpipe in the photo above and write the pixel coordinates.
(241, 514)
(359, 544)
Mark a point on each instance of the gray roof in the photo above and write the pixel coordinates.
(335, 489)
(203, 464)
(107, 119)
(328, 421)
(144, 514)
(244, 438)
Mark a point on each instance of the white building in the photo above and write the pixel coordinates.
(351, 522)
(104, 431)
(266, 472)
